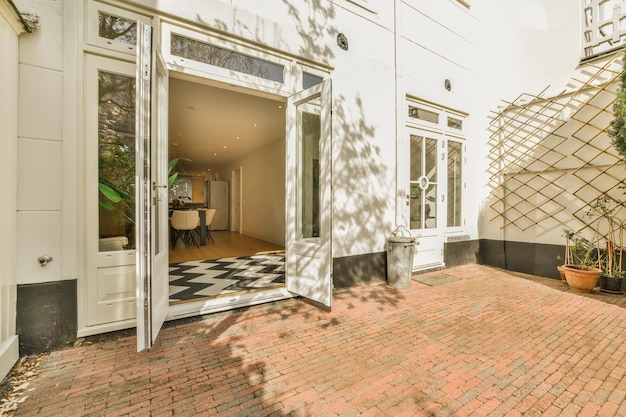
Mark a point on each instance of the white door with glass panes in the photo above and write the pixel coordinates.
(110, 196)
(108, 291)
(308, 197)
(425, 197)
(127, 224)
(434, 188)
(152, 193)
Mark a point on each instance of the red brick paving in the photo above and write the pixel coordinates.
(490, 344)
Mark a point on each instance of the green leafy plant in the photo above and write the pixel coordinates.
(122, 197)
(609, 234)
(617, 128)
(579, 251)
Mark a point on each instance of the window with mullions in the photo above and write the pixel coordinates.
(224, 58)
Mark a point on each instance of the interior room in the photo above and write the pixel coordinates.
(230, 149)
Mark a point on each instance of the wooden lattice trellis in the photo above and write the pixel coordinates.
(551, 155)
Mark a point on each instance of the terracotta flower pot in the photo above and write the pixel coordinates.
(561, 272)
(581, 279)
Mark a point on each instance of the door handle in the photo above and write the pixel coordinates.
(155, 185)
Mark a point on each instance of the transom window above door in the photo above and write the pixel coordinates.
(112, 28)
(213, 55)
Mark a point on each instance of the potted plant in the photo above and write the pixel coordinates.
(581, 265)
(569, 255)
(609, 238)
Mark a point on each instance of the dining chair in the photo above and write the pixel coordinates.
(184, 222)
(210, 213)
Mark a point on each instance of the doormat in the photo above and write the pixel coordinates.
(435, 279)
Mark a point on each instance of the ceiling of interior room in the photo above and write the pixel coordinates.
(214, 126)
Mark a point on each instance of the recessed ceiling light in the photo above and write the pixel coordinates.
(214, 154)
(280, 106)
(175, 144)
(225, 147)
(254, 125)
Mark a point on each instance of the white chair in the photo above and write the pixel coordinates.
(210, 213)
(184, 222)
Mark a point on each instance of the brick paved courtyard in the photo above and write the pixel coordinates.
(488, 344)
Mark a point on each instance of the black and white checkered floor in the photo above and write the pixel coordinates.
(210, 278)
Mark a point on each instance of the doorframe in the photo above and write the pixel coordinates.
(443, 132)
(236, 193)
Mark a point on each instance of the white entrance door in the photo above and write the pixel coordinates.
(308, 196)
(152, 210)
(425, 195)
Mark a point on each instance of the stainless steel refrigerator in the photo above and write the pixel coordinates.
(217, 197)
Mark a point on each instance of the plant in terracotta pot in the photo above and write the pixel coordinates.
(609, 239)
(581, 264)
(574, 244)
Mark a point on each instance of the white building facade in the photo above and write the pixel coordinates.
(404, 92)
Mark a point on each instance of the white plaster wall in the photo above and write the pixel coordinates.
(526, 46)
(363, 93)
(263, 192)
(40, 145)
(363, 134)
(441, 41)
(9, 30)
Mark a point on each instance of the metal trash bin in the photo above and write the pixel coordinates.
(400, 252)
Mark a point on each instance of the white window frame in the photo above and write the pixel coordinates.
(92, 27)
(230, 77)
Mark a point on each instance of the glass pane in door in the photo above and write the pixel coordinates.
(454, 183)
(308, 186)
(116, 161)
(423, 182)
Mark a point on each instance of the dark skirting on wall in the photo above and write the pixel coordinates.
(46, 316)
(529, 258)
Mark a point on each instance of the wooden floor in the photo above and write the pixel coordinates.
(227, 244)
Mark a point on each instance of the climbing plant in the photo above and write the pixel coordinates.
(617, 128)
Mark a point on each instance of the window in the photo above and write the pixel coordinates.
(117, 29)
(116, 160)
(112, 28)
(455, 183)
(213, 55)
(456, 124)
(309, 80)
(423, 114)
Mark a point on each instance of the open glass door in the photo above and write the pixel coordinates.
(308, 200)
(152, 210)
